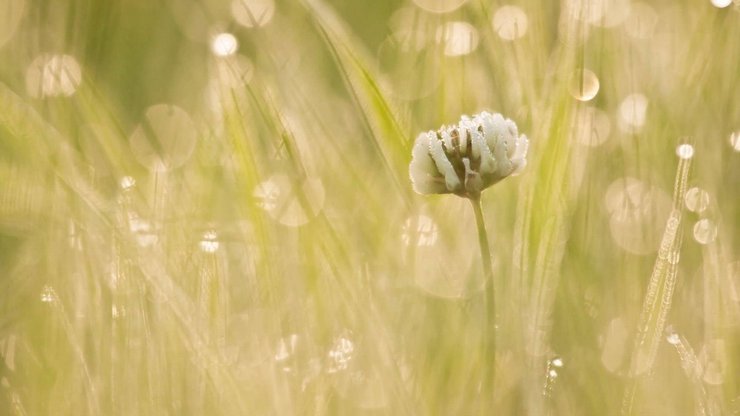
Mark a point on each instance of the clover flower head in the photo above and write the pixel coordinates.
(468, 157)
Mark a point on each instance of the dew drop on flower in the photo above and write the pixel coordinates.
(721, 4)
(696, 200)
(419, 230)
(53, 76)
(224, 44)
(165, 139)
(439, 6)
(48, 294)
(632, 112)
(592, 126)
(705, 231)
(735, 141)
(253, 13)
(459, 38)
(209, 243)
(685, 151)
(510, 22)
(584, 85)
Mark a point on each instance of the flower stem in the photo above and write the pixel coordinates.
(490, 329)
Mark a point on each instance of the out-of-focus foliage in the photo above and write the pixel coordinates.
(205, 208)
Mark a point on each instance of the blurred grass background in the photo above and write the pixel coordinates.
(205, 209)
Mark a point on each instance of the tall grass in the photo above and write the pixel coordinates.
(265, 254)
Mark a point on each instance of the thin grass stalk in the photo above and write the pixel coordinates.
(690, 365)
(490, 300)
(659, 295)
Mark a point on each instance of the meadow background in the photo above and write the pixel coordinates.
(205, 208)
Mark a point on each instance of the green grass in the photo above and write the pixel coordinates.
(283, 264)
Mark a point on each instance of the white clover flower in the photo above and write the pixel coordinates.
(469, 157)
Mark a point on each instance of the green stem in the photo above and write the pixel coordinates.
(485, 254)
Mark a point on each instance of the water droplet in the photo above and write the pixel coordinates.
(735, 141)
(459, 38)
(721, 4)
(439, 6)
(340, 354)
(557, 362)
(209, 243)
(224, 44)
(293, 207)
(632, 112)
(53, 76)
(419, 230)
(165, 139)
(127, 182)
(584, 85)
(696, 200)
(48, 294)
(553, 374)
(253, 13)
(671, 336)
(510, 22)
(685, 151)
(705, 231)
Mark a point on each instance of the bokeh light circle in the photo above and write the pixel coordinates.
(510, 22)
(53, 76)
(584, 85)
(224, 44)
(459, 38)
